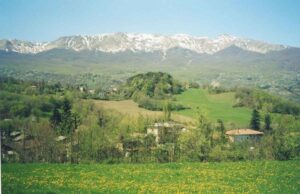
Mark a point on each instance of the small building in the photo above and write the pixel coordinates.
(153, 131)
(60, 138)
(137, 135)
(160, 129)
(81, 89)
(92, 91)
(19, 137)
(15, 134)
(238, 135)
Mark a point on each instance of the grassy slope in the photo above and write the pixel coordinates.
(238, 177)
(215, 106)
(131, 108)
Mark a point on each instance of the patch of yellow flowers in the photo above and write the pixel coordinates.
(243, 177)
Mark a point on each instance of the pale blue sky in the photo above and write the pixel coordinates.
(276, 21)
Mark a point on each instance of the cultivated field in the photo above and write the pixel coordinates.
(238, 177)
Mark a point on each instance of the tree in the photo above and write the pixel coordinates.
(281, 140)
(101, 119)
(268, 127)
(67, 107)
(196, 144)
(205, 125)
(255, 120)
(55, 118)
(76, 120)
(149, 141)
(167, 111)
(67, 120)
(221, 128)
(207, 131)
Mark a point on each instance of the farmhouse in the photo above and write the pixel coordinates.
(238, 135)
(153, 131)
(160, 129)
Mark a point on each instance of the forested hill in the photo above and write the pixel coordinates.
(152, 84)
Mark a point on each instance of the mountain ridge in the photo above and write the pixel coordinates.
(137, 42)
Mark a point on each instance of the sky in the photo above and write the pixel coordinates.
(274, 21)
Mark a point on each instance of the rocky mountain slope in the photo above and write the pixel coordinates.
(120, 42)
(229, 60)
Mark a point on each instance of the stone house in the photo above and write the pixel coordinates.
(239, 135)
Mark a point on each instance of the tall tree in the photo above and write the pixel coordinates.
(221, 128)
(101, 119)
(167, 111)
(76, 120)
(255, 120)
(67, 120)
(55, 118)
(67, 107)
(207, 131)
(268, 127)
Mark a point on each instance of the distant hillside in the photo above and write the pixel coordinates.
(231, 61)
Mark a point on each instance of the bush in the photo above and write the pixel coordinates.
(158, 105)
(260, 100)
(156, 85)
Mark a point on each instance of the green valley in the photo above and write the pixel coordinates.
(142, 97)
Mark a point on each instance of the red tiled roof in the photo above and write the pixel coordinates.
(243, 132)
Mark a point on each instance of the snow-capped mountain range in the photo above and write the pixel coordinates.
(139, 42)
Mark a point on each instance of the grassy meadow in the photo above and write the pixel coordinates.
(214, 106)
(238, 177)
(130, 108)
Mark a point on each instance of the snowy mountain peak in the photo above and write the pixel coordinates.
(140, 42)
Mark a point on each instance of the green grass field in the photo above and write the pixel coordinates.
(241, 177)
(131, 108)
(214, 106)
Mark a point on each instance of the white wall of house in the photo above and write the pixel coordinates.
(153, 131)
(239, 138)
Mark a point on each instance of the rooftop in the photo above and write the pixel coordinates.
(60, 138)
(243, 132)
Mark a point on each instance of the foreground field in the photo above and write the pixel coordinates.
(243, 177)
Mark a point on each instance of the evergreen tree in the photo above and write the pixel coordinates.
(268, 127)
(67, 107)
(67, 120)
(55, 118)
(255, 120)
